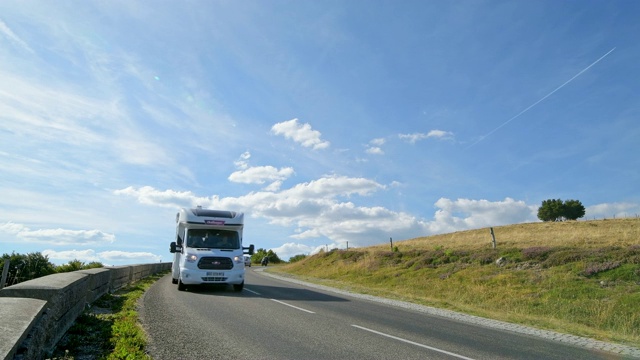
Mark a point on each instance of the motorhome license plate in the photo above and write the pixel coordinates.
(214, 273)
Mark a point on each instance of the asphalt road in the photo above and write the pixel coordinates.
(276, 319)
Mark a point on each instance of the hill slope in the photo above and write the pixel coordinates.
(581, 278)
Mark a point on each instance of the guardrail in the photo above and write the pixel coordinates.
(35, 314)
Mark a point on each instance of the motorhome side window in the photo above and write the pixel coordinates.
(218, 239)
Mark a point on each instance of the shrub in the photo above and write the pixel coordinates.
(595, 268)
(563, 257)
(539, 253)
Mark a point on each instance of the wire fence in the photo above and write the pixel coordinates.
(612, 217)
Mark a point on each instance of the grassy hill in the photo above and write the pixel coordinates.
(578, 277)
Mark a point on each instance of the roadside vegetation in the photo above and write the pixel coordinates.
(576, 277)
(110, 328)
(260, 254)
(24, 267)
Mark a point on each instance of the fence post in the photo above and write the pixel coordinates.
(5, 271)
(493, 238)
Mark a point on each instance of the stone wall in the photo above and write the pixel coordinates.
(35, 314)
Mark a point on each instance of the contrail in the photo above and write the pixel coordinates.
(546, 96)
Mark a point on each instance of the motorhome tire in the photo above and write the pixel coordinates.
(181, 286)
(238, 287)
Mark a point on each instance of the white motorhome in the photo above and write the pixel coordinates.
(208, 248)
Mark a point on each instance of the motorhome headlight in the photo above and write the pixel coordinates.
(238, 259)
(191, 257)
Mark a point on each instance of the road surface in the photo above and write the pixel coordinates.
(276, 319)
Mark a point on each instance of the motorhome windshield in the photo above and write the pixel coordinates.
(218, 239)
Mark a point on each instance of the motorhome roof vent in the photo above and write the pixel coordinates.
(213, 213)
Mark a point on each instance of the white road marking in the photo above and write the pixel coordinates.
(295, 307)
(413, 343)
(251, 291)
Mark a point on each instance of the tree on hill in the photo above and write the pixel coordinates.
(261, 253)
(573, 210)
(557, 210)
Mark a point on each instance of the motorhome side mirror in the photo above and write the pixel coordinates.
(172, 247)
(249, 249)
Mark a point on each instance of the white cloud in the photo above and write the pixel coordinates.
(128, 257)
(463, 214)
(378, 142)
(618, 210)
(314, 208)
(260, 174)
(440, 134)
(274, 186)
(374, 146)
(415, 137)
(104, 257)
(169, 198)
(242, 162)
(287, 250)
(57, 236)
(374, 150)
(300, 133)
(62, 257)
(316, 213)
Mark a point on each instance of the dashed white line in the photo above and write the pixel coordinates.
(295, 307)
(413, 343)
(251, 291)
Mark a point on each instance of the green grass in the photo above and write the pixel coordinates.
(581, 278)
(110, 328)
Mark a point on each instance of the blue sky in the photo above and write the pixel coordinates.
(326, 122)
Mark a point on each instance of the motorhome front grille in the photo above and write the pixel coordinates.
(214, 278)
(215, 263)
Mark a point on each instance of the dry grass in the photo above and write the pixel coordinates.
(581, 277)
(584, 234)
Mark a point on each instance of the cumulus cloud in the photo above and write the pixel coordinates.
(128, 257)
(300, 133)
(324, 210)
(463, 214)
(259, 174)
(374, 150)
(314, 205)
(70, 255)
(374, 146)
(287, 250)
(57, 236)
(348, 225)
(242, 162)
(415, 137)
(169, 198)
(619, 210)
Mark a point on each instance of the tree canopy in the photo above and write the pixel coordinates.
(557, 210)
(34, 265)
(261, 253)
